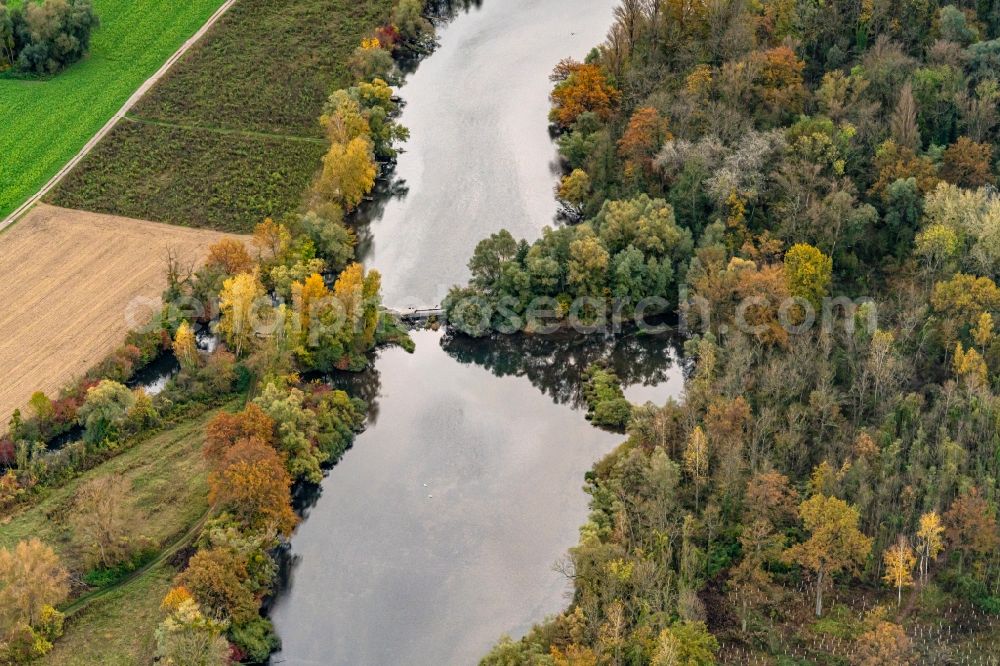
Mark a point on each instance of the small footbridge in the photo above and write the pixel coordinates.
(419, 315)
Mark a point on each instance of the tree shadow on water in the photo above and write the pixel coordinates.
(555, 364)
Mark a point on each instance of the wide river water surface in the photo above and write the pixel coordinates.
(439, 530)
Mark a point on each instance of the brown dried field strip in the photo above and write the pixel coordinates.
(66, 280)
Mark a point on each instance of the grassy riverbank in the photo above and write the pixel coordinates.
(230, 136)
(43, 123)
(166, 478)
(117, 629)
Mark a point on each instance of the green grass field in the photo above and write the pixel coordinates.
(116, 630)
(231, 135)
(43, 123)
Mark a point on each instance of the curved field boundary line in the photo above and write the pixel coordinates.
(132, 101)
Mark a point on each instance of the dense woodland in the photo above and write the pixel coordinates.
(822, 493)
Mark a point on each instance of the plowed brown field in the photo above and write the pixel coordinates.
(67, 278)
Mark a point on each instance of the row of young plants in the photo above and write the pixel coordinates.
(290, 300)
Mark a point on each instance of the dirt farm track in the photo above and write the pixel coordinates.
(67, 278)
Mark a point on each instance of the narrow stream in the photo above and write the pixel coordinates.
(439, 530)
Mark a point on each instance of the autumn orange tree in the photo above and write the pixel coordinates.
(894, 162)
(217, 579)
(645, 133)
(230, 256)
(251, 483)
(225, 430)
(780, 83)
(968, 164)
(581, 88)
(835, 543)
(883, 643)
(971, 526)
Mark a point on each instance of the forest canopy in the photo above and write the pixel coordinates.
(811, 185)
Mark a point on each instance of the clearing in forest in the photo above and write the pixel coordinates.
(231, 135)
(66, 280)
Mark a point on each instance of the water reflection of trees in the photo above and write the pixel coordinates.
(388, 186)
(555, 364)
(447, 9)
(364, 385)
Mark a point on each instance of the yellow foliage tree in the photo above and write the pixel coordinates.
(344, 119)
(238, 303)
(174, 598)
(185, 346)
(271, 239)
(574, 190)
(31, 578)
(696, 460)
(983, 332)
(930, 540)
(808, 272)
(359, 295)
(308, 300)
(899, 562)
(970, 366)
(573, 655)
(349, 290)
(936, 246)
(835, 543)
(348, 173)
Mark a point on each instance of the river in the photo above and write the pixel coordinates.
(439, 530)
